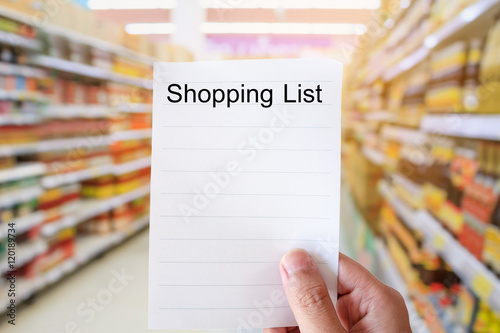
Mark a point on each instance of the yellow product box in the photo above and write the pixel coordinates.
(99, 192)
(489, 97)
(451, 217)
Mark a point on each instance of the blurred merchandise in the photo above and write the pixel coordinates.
(423, 110)
(75, 129)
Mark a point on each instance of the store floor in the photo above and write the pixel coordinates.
(56, 310)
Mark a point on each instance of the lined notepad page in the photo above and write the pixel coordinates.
(233, 189)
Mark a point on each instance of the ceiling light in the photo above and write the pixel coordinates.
(283, 28)
(131, 4)
(290, 4)
(150, 28)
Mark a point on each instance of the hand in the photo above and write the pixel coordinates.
(364, 303)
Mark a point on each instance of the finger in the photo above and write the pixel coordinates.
(353, 275)
(307, 294)
(275, 330)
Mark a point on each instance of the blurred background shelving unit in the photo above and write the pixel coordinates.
(75, 131)
(422, 155)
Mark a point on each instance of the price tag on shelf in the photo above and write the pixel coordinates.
(438, 242)
(482, 286)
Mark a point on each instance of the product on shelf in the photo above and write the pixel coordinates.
(109, 186)
(126, 151)
(448, 75)
(364, 176)
(118, 218)
(60, 163)
(17, 28)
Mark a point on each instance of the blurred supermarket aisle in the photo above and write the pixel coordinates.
(94, 299)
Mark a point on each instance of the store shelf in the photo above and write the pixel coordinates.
(131, 80)
(54, 145)
(24, 254)
(20, 119)
(472, 272)
(393, 278)
(20, 70)
(139, 164)
(23, 224)
(92, 208)
(87, 248)
(77, 36)
(406, 213)
(70, 66)
(88, 71)
(134, 108)
(132, 135)
(19, 41)
(373, 155)
(92, 246)
(451, 28)
(473, 126)
(19, 196)
(404, 135)
(78, 111)
(98, 43)
(22, 95)
(75, 177)
(25, 170)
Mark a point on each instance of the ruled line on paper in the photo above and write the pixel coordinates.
(257, 194)
(287, 127)
(244, 239)
(251, 172)
(222, 285)
(246, 149)
(248, 217)
(228, 262)
(254, 308)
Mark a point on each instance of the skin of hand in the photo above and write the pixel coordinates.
(364, 303)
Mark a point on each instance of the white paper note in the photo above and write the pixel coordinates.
(242, 172)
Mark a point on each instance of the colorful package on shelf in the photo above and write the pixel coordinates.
(491, 250)
(7, 162)
(121, 94)
(63, 91)
(128, 67)
(72, 128)
(59, 163)
(116, 219)
(60, 201)
(17, 28)
(363, 177)
(126, 151)
(489, 99)
(447, 79)
(108, 186)
(16, 185)
(60, 248)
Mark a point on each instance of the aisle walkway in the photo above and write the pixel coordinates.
(65, 308)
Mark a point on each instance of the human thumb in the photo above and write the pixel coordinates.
(307, 294)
